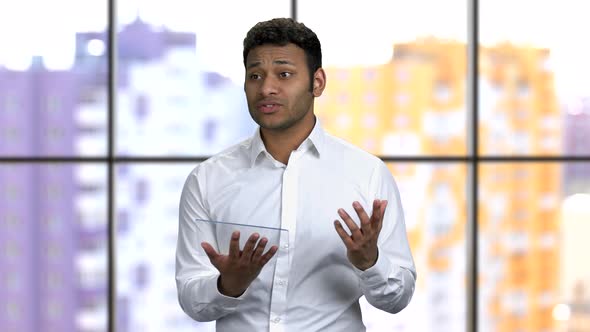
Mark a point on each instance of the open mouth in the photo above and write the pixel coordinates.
(268, 108)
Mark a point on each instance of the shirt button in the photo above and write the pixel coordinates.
(281, 282)
(286, 246)
(276, 320)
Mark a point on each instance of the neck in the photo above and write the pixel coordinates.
(280, 143)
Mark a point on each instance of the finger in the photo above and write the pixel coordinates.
(380, 223)
(249, 246)
(354, 229)
(376, 216)
(234, 245)
(348, 242)
(210, 251)
(259, 249)
(266, 257)
(376, 212)
(365, 220)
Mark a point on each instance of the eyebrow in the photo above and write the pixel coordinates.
(276, 62)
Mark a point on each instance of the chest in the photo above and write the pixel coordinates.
(304, 201)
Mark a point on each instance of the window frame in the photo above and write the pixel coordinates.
(472, 160)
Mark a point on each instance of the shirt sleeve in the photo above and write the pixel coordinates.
(389, 284)
(196, 277)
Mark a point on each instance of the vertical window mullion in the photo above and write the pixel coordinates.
(473, 153)
(111, 73)
(294, 9)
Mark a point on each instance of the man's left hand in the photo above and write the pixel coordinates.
(361, 244)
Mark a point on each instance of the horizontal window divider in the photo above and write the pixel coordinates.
(485, 159)
(187, 159)
(532, 159)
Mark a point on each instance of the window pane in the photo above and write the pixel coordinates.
(434, 202)
(395, 73)
(147, 227)
(52, 78)
(53, 254)
(534, 221)
(181, 68)
(535, 76)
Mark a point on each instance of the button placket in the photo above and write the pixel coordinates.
(288, 214)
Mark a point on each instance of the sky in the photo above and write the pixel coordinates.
(352, 32)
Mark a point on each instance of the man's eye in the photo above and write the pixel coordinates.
(254, 76)
(285, 74)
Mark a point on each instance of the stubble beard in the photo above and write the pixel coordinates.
(280, 125)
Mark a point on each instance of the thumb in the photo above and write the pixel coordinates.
(211, 253)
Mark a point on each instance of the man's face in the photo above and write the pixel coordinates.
(277, 86)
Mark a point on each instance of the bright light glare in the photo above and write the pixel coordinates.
(561, 312)
(16, 40)
(95, 47)
(59, 51)
(576, 107)
(17, 62)
(577, 203)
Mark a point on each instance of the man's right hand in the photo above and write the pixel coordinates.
(239, 267)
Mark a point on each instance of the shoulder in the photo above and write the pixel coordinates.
(346, 152)
(356, 161)
(232, 158)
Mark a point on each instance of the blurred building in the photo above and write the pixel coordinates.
(415, 105)
(576, 136)
(519, 202)
(46, 234)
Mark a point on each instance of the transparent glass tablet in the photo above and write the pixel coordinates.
(218, 234)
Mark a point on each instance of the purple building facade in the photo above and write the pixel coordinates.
(38, 284)
(40, 241)
(18, 250)
(577, 137)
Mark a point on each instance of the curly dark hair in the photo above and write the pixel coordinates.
(282, 31)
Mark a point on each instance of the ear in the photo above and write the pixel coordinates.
(319, 82)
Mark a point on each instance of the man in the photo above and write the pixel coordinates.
(293, 175)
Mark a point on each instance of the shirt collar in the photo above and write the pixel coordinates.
(315, 139)
(256, 147)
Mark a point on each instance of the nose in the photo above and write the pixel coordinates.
(269, 86)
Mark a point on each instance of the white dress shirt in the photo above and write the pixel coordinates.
(309, 285)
